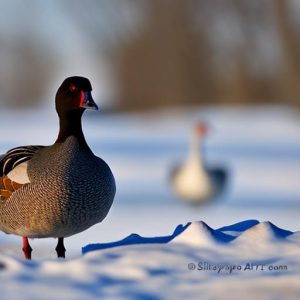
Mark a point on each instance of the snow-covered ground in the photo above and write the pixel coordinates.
(249, 260)
(260, 149)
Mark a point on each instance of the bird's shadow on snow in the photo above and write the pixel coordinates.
(222, 235)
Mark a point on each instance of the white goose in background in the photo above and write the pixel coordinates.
(193, 181)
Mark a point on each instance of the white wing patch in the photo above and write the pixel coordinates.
(19, 174)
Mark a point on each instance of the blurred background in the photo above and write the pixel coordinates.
(151, 54)
(157, 69)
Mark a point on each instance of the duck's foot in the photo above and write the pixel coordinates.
(26, 248)
(60, 248)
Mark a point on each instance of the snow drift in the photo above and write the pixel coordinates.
(177, 266)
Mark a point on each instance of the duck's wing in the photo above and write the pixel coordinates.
(14, 157)
(13, 169)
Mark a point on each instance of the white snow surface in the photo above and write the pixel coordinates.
(260, 149)
(261, 262)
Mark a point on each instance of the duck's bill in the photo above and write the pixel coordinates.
(87, 101)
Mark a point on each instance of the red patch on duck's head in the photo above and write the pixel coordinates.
(73, 88)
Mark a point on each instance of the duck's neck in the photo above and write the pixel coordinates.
(196, 151)
(70, 125)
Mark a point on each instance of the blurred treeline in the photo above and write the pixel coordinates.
(174, 52)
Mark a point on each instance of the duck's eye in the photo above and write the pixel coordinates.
(73, 88)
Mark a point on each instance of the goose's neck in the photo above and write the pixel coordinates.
(70, 125)
(196, 151)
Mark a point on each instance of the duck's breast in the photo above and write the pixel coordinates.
(70, 190)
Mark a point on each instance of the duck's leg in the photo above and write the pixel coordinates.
(26, 248)
(60, 248)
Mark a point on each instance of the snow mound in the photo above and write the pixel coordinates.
(174, 264)
(264, 232)
(200, 234)
(193, 233)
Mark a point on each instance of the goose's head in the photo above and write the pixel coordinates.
(196, 142)
(74, 95)
(200, 130)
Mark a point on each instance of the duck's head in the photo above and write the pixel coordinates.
(74, 95)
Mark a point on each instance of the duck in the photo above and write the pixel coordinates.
(59, 190)
(192, 181)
